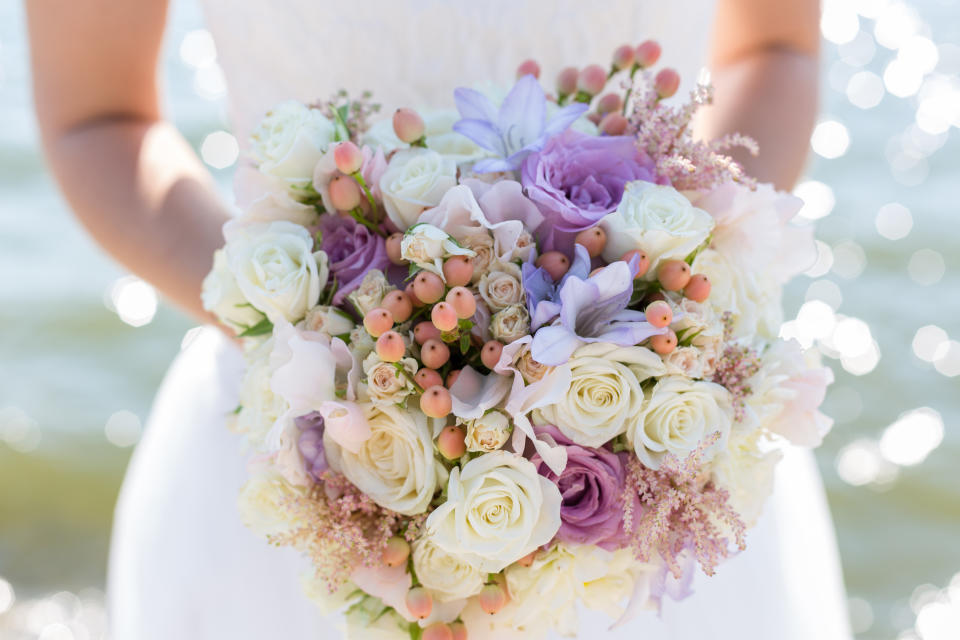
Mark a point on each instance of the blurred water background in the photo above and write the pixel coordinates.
(83, 345)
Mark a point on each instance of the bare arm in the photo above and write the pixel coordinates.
(764, 65)
(130, 177)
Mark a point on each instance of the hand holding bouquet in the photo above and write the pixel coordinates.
(514, 357)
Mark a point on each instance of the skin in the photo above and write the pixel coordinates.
(140, 190)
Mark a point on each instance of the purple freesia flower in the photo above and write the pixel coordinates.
(310, 444)
(592, 309)
(353, 250)
(518, 128)
(542, 301)
(591, 487)
(577, 179)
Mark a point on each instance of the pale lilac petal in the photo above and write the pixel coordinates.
(627, 334)
(473, 393)
(543, 313)
(304, 369)
(524, 111)
(554, 345)
(563, 118)
(473, 104)
(490, 165)
(346, 424)
(612, 281)
(629, 315)
(481, 132)
(576, 296)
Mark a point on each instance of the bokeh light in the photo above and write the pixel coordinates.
(123, 429)
(818, 199)
(865, 90)
(830, 139)
(926, 267)
(220, 149)
(133, 300)
(894, 221)
(927, 340)
(946, 359)
(910, 439)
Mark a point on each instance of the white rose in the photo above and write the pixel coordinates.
(370, 619)
(371, 291)
(317, 589)
(604, 398)
(395, 466)
(222, 297)
(329, 321)
(685, 361)
(415, 179)
(261, 503)
(678, 416)
(702, 327)
(658, 220)
(260, 407)
(386, 385)
(498, 510)
(446, 575)
(752, 298)
(488, 432)
(500, 286)
(484, 253)
(510, 323)
(290, 140)
(277, 269)
(426, 246)
(361, 343)
(745, 470)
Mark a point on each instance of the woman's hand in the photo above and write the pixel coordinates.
(130, 177)
(764, 67)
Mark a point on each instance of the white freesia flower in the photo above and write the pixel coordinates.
(498, 510)
(657, 219)
(222, 297)
(415, 179)
(745, 470)
(446, 575)
(261, 502)
(385, 384)
(753, 298)
(290, 140)
(330, 321)
(371, 291)
(395, 466)
(500, 287)
(510, 323)
(489, 432)
(604, 398)
(426, 246)
(679, 414)
(277, 269)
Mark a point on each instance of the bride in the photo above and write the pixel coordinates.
(182, 565)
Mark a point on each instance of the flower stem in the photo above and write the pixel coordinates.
(357, 215)
(366, 190)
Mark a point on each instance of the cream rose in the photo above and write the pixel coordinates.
(530, 369)
(510, 323)
(329, 321)
(489, 432)
(657, 219)
(752, 298)
(498, 510)
(685, 361)
(679, 414)
(426, 246)
(361, 344)
(484, 254)
(260, 407)
(395, 466)
(745, 470)
(261, 502)
(604, 398)
(500, 286)
(385, 384)
(415, 179)
(446, 575)
(222, 297)
(277, 269)
(371, 291)
(290, 140)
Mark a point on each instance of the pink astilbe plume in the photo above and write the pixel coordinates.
(664, 133)
(338, 527)
(355, 113)
(681, 509)
(736, 365)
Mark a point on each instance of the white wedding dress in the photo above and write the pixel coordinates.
(183, 567)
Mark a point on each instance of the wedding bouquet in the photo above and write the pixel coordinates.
(514, 358)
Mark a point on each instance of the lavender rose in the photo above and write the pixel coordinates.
(310, 444)
(353, 250)
(578, 179)
(591, 487)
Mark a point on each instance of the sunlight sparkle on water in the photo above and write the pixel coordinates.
(926, 267)
(134, 300)
(914, 435)
(123, 429)
(927, 340)
(830, 139)
(865, 90)
(894, 221)
(818, 199)
(946, 359)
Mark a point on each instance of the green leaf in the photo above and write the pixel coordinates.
(238, 409)
(464, 342)
(261, 328)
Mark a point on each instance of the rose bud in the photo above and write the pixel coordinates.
(592, 79)
(490, 353)
(434, 353)
(444, 316)
(698, 289)
(414, 300)
(492, 598)
(408, 125)
(457, 271)
(659, 314)
(428, 286)
(664, 343)
(673, 275)
(378, 321)
(451, 378)
(437, 631)
(609, 103)
(427, 378)
(393, 248)
(666, 83)
(613, 124)
(554, 263)
(436, 402)
(419, 602)
(459, 630)
(452, 440)
(623, 57)
(647, 54)
(344, 193)
(425, 331)
(399, 305)
(347, 157)
(594, 240)
(528, 68)
(396, 552)
(567, 81)
(390, 347)
(462, 302)
(642, 265)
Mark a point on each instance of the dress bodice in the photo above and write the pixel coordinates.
(415, 52)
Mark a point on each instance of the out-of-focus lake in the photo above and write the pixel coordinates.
(83, 345)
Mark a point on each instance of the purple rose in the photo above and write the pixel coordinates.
(592, 490)
(577, 179)
(310, 444)
(353, 250)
